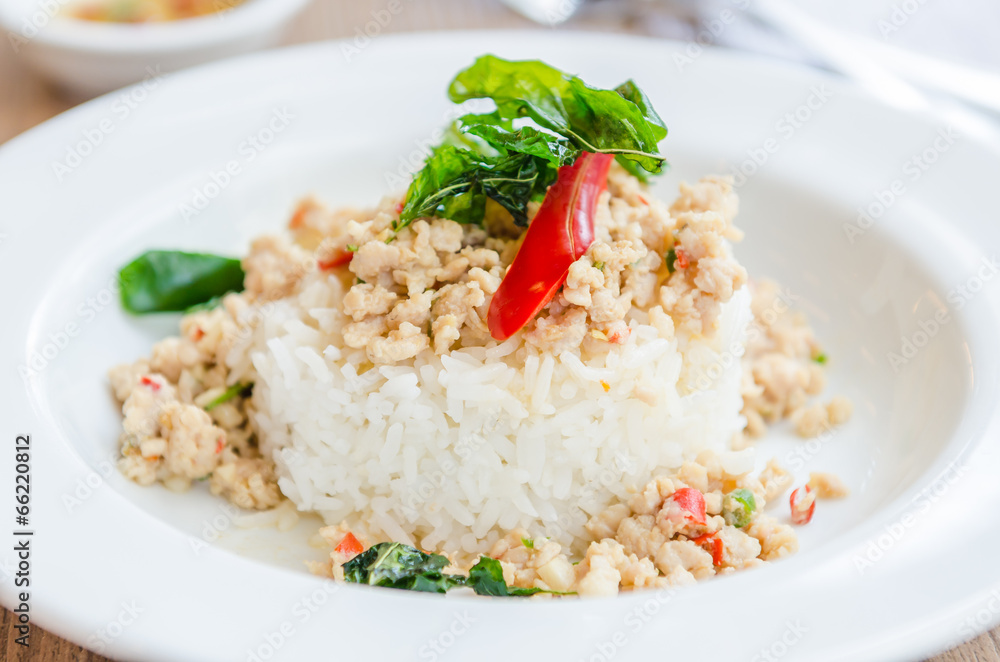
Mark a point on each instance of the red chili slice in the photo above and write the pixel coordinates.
(349, 545)
(718, 548)
(682, 259)
(561, 232)
(150, 382)
(339, 258)
(692, 501)
(801, 515)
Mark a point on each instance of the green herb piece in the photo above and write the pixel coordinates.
(487, 156)
(670, 259)
(821, 359)
(738, 507)
(455, 183)
(352, 248)
(631, 91)
(395, 565)
(525, 140)
(620, 121)
(598, 265)
(528, 542)
(162, 281)
(237, 389)
(486, 578)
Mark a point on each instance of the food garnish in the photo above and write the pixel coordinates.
(691, 502)
(172, 281)
(497, 156)
(395, 565)
(561, 232)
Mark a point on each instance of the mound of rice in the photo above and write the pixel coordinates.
(449, 452)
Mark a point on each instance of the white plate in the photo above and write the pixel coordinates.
(343, 122)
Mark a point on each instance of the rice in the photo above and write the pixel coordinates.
(449, 452)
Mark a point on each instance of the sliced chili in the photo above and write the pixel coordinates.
(561, 232)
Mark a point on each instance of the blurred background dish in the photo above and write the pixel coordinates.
(88, 47)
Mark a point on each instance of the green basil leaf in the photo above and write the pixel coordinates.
(395, 565)
(162, 281)
(486, 578)
(455, 183)
(527, 140)
(620, 122)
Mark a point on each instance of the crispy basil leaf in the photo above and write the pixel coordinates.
(526, 140)
(395, 565)
(631, 91)
(161, 281)
(618, 122)
(455, 183)
(486, 578)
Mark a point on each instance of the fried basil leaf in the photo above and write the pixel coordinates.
(395, 565)
(526, 140)
(620, 122)
(455, 183)
(486, 578)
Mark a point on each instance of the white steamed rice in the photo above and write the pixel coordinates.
(450, 452)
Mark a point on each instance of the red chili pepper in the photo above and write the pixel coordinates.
(349, 545)
(298, 218)
(219, 445)
(692, 501)
(800, 514)
(561, 232)
(399, 207)
(145, 380)
(682, 259)
(339, 258)
(717, 546)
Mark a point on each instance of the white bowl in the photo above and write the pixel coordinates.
(90, 58)
(904, 566)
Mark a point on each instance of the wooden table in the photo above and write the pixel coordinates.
(25, 101)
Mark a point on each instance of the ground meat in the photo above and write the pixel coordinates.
(827, 486)
(248, 483)
(606, 523)
(650, 541)
(176, 428)
(776, 540)
(273, 267)
(774, 480)
(783, 369)
(364, 300)
(440, 276)
(684, 556)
